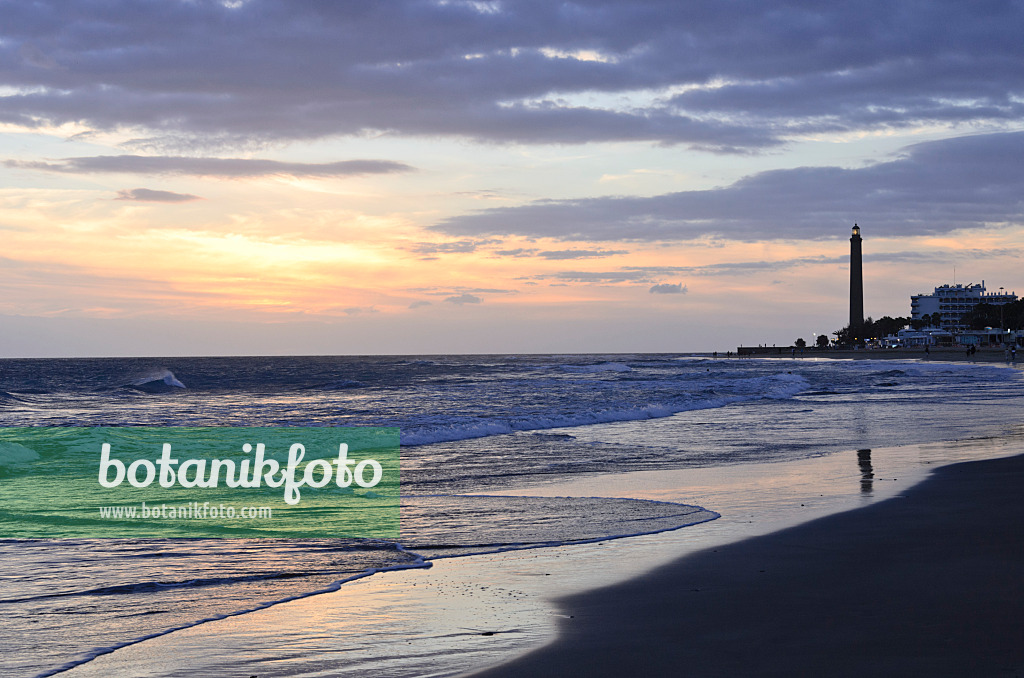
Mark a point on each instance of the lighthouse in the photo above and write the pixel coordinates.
(856, 284)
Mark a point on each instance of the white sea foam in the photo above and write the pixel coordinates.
(780, 386)
(935, 368)
(12, 454)
(165, 377)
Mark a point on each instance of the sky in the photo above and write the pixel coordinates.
(193, 177)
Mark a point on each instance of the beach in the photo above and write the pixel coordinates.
(805, 574)
(439, 338)
(577, 450)
(927, 583)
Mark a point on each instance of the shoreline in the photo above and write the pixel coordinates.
(935, 354)
(765, 465)
(473, 614)
(925, 583)
(482, 613)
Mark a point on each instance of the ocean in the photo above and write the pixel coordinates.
(478, 434)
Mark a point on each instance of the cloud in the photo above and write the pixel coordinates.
(599, 277)
(557, 255)
(579, 254)
(150, 195)
(750, 267)
(213, 167)
(668, 288)
(457, 247)
(931, 188)
(906, 257)
(419, 304)
(519, 252)
(51, 288)
(729, 76)
(651, 274)
(464, 299)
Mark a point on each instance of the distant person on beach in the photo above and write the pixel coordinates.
(926, 351)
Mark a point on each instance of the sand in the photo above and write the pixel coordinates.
(930, 583)
(467, 613)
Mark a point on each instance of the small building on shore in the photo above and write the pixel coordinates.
(920, 338)
(990, 336)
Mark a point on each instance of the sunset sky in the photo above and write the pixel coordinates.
(443, 176)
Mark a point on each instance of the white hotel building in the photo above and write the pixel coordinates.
(953, 302)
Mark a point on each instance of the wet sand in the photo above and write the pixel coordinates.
(927, 583)
(479, 611)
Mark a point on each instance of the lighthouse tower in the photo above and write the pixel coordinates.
(856, 284)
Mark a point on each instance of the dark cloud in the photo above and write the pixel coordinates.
(933, 188)
(464, 299)
(219, 167)
(150, 195)
(668, 288)
(725, 75)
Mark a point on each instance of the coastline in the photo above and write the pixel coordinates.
(473, 614)
(465, 614)
(925, 583)
(935, 354)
